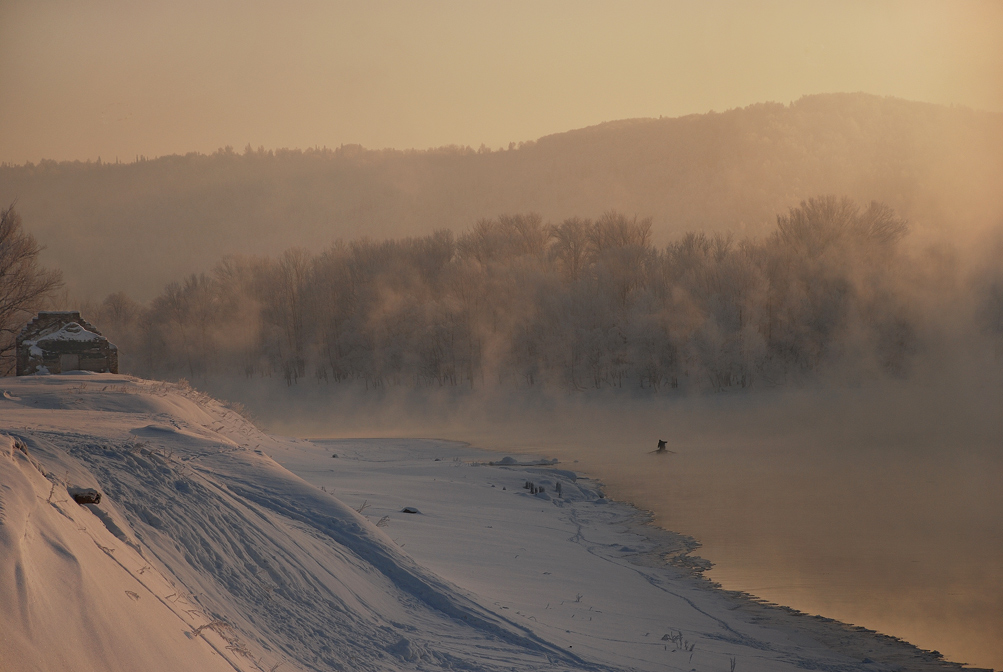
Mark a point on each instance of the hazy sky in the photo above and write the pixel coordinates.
(118, 78)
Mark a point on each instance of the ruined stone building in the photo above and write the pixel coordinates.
(60, 341)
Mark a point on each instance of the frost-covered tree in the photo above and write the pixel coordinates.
(24, 284)
(584, 304)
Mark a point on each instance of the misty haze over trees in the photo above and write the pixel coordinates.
(547, 299)
(581, 304)
(938, 167)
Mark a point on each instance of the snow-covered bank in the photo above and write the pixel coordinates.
(204, 553)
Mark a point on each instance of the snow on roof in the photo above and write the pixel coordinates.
(71, 332)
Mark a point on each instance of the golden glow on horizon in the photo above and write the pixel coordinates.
(112, 78)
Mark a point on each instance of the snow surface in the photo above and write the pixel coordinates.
(205, 553)
(68, 332)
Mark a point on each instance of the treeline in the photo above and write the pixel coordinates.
(580, 304)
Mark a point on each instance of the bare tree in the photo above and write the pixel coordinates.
(23, 282)
(571, 245)
(172, 304)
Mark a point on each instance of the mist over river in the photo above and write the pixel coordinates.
(877, 505)
(901, 536)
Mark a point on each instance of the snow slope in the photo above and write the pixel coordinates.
(205, 554)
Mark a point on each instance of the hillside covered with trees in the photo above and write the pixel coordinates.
(137, 226)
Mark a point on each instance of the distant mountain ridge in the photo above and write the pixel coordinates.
(939, 167)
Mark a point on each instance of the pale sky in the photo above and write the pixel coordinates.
(118, 78)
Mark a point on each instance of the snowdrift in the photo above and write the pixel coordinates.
(203, 553)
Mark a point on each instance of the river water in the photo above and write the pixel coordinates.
(880, 506)
(906, 544)
(883, 512)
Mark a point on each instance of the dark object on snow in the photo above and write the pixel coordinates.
(410, 509)
(335, 455)
(61, 341)
(512, 462)
(85, 495)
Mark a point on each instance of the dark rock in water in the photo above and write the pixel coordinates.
(410, 509)
(85, 495)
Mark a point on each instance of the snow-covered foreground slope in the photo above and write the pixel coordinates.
(205, 554)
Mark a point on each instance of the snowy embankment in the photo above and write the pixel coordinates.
(205, 554)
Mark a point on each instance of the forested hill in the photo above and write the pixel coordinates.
(137, 226)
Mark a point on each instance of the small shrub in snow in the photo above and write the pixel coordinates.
(237, 408)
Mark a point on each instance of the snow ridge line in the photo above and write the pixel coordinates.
(428, 588)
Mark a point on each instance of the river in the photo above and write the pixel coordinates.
(880, 512)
